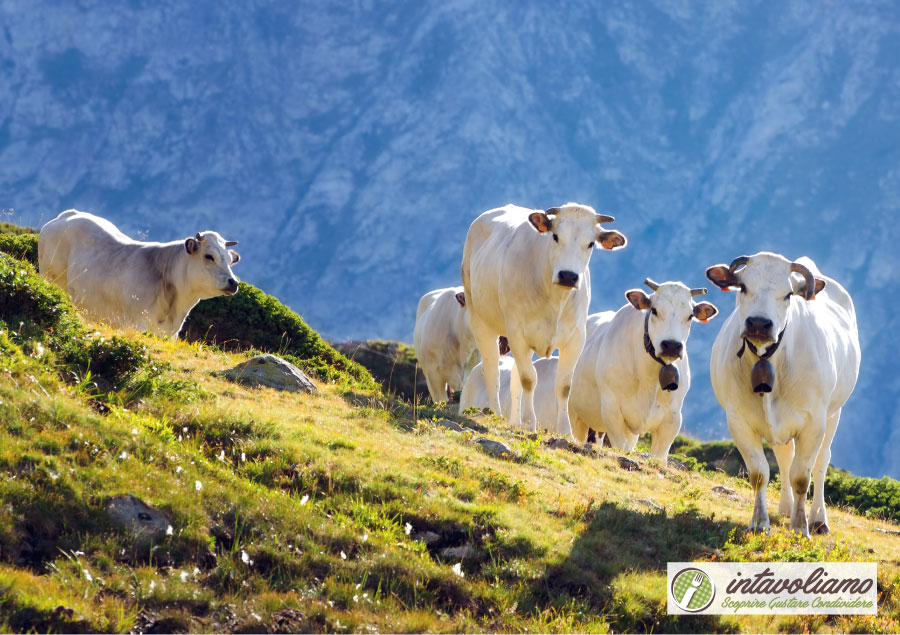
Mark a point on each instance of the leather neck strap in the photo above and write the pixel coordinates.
(648, 345)
(769, 351)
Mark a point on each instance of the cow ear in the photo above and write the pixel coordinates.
(720, 276)
(705, 311)
(541, 221)
(235, 256)
(638, 299)
(801, 287)
(461, 298)
(191, 245)
(611, 239)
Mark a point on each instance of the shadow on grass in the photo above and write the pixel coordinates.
(621, 541)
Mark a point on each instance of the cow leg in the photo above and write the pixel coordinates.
(750, 447)
(568, 358)
(807, 446)
(784, 454)
(662, 438)
(818, 519)
(486, 341)
(522, 384)
(579, 429)
(614, 424)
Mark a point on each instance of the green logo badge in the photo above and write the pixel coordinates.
(692, 590)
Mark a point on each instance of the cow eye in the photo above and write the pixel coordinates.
(555, 237)
(788, 296)
(742, 288)
(590, 245)
(209, 257)
(652, 311)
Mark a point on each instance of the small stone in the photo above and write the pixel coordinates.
(427, 537)
(678, 465)
(628, 464)
(462, 552)
(274, 372)
(449, 425)
(649, 503)
(557, 443)
(494, 448)
(725, 491)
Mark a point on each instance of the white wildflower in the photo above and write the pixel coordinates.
(245, 558)
(305, 499)
(169, 530)
(407, 528)
(243, 456)
(134, 431)
(198, 485)
(343, 556)
(222, 456)
(184, 575)
(356, 598)
(87, 575)
(178, 469)
(152, 585)
(457, 569)
(124, 455)
(365, 537)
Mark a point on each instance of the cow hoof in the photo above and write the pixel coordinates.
(820, 528)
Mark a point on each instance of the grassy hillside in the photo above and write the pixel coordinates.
(344, 511)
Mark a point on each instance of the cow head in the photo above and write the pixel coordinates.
(766, 283)
(671, 310)
(574, 230)
(210, 264)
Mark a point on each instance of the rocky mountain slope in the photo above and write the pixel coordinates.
(348, 146)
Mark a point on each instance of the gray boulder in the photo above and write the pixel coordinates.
(271, 371)
(494, 448)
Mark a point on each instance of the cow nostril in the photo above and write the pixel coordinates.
(671, 348)
(568, 278)
(758, 323)
(232, 282)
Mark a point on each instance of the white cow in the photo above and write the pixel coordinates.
(128, 283)
(794, 330)
(526, 276)
(443, 341)
(475, 394)
(624, 383)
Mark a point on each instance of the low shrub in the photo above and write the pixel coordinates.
(19, 244)
(254, 320)
(32, 307)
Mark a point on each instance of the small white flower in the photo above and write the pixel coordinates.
(124, 455)
(457, 569)
(243, 456)
(169, 530)
(222, 456)
(343, 556)
(305, 499)
(198, 485)
(178, 469)
(87, 575)
(196, 571)
(359, 586)
(184, 575)
(356, 598)
(245, 558)
(407, 528)
(152, 585)
(134, 431)
(365, 537)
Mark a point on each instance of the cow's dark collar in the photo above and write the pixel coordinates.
(648, 344)
(769, 351)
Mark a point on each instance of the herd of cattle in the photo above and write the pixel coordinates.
(783, 364)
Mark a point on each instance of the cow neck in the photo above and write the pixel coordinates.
(769, 351)
(648, 344)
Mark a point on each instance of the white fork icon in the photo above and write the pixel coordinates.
(695, 584)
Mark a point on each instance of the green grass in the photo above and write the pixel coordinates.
(344, 511)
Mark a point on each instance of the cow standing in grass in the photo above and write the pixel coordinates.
(526, 277)
(443, 341)
(633, 374)
(782, 367)
(142, 285)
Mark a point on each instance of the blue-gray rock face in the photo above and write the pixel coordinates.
(349, 146)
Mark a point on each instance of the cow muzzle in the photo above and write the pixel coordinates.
(670, 350)
(758, 330)
(231, 288)
(567, 279)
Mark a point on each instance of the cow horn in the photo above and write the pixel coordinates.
(653, 285)
(605, 218)
(810, 290)
(230, 243)
(738, 262)
(698, 291)
(199, 237)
